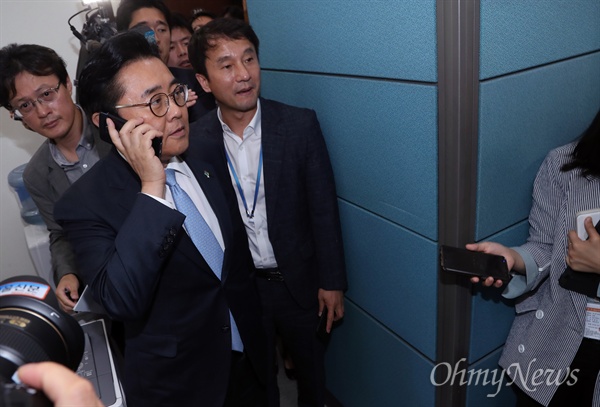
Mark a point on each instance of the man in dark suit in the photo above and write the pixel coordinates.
(36, 89)
(275, 157)
(193, 332)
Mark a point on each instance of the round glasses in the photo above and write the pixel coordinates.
(159, 103)
(26, 107)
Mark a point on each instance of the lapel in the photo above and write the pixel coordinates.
(273, 144)
(57, 178)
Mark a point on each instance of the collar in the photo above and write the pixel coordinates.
(253, 127)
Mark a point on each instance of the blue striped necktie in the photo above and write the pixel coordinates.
(203, 238)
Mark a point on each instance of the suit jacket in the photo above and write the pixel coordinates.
(46, 181)
(550, 320)
(302, 210)
(145, 270)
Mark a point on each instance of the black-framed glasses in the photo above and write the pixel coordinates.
(27, 107)
(159, 103)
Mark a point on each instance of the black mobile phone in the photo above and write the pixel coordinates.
(119, 122)
(478, 264)
(322, 333)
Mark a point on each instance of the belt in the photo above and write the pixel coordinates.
(269, 274)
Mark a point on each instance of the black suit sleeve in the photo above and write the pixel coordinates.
(120, 258)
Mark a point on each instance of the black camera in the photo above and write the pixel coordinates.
(33, 328)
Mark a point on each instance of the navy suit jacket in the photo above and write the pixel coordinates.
(302, 210)
(144, 269)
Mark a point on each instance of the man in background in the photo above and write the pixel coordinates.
(200, 17)
(181, 33)
(276, 160)
(36, 88)
(153, 13)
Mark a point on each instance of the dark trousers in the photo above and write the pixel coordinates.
(580, 394)
(244, 388)
(296, 327)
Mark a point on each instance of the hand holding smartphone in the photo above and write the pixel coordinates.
(471, 263)
(322, 333)
(119, 122)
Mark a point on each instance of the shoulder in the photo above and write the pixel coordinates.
(562, 154)
(268, 106)
(288, 116)
(205, 126)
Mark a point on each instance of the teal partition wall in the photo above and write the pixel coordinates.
(371, 71)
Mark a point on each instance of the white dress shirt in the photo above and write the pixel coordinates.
(244, 154)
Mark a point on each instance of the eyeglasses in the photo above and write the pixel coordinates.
(159, 103)
(46, 97)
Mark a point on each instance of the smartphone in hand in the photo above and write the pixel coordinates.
(475, 264)
(119, 122)
(322, 333)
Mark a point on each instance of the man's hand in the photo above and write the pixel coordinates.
(334, 301)
(134, 142)
(62, 386)
(67, 292)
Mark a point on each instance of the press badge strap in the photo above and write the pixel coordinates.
(592, 320)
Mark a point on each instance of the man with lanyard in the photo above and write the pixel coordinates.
(36, 89)
(282, 179)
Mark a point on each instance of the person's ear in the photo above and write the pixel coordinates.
(96, 119)
(203, 81)
(69, 85)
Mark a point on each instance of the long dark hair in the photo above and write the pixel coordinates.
(586, 154)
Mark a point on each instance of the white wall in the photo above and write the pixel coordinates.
(42, 22)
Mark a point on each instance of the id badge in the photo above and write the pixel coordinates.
(592, 320)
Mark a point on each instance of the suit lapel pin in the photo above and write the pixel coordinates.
(206, 174)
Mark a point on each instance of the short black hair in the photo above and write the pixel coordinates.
(205, 38)
(98, 88)
(34, 59)
(178, 20)
(128, 7)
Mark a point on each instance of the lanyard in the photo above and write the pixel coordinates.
(239, 187)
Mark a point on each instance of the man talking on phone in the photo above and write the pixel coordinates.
(159, 244)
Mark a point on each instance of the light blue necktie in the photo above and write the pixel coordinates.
(203, 238)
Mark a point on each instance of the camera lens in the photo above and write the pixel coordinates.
(33, 328)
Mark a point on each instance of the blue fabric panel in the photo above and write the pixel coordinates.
(367, 365)
(522, 117)
(382, 140)
(386, 38)
(490, 390)
(491, 314)
(392, 275)
(517, 34)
